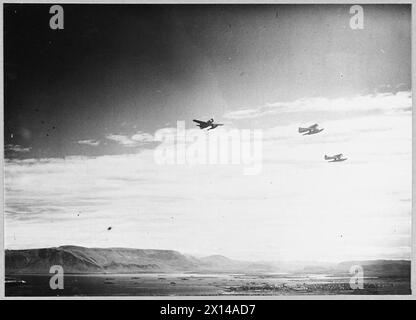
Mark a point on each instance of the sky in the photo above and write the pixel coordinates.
(84, 106)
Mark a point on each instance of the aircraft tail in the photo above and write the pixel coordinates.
(327, 158)
(302, 129)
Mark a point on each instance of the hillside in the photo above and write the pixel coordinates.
(385, 268)
(96, 260)
(76, 259)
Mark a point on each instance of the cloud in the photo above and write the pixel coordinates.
(142, 137)
(135, 140)
(296, 208)
(217, 206)
(121, 139)
(381, 102)
(89, 142)
(17, 148)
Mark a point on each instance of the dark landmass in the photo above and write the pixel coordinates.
(75, 259)
(78, 260)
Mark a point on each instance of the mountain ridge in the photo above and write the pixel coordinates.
(77, 259)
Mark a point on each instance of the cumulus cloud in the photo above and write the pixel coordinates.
(382, 102)
(297, 207)
(16, 148)
(142, 137)
(121, 139)
(134, 140)
(89, 142)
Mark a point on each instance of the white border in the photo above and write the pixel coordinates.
(228, 297)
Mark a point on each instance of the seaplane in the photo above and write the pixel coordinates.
(313, 129)
(207, 124)
(335, 158)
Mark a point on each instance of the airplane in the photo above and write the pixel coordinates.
(335, 158)
(207, 124)
(313, 129)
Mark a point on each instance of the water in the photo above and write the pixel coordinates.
(193, 284)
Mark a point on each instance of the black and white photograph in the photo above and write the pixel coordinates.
(207, 150)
